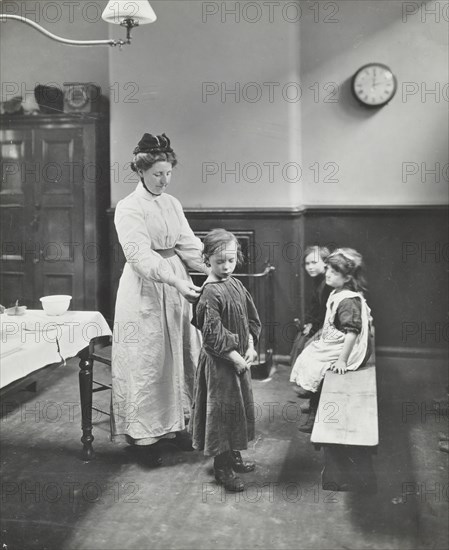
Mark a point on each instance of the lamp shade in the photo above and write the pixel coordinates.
(118, 11)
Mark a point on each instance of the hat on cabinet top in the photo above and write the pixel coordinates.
(49, 98)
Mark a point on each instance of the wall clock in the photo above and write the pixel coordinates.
(374, 85)
(81, 97)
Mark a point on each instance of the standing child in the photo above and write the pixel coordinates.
(344, 341)
(223, 409)
(314, 258)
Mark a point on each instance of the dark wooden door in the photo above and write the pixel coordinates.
(42, 214)
(58, 212)
(18, 251)
(54, 193)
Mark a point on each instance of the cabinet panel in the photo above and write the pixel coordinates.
(57, 239)
(14, 234)
(55, 283)
(16, 194)
(13, 286)
(50, 211)
(60, 156)
(61, 221)
(12, 150)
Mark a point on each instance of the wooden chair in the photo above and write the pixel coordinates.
(99, 351)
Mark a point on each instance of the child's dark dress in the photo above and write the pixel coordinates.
(223, 405)
(317, 307)
(315, 315)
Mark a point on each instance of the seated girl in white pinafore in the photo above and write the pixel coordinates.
(344, 343)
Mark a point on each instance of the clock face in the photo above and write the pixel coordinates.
(77, 97)
(374, 85)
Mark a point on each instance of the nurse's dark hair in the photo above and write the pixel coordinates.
(349, 263)
(217, 240)
(144, 161)
(152, 149)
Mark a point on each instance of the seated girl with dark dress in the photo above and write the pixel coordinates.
(344, 343)
(314, 264)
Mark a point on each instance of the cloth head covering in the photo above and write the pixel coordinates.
(153, 144)
(352, 257)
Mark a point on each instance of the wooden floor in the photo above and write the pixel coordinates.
(52, 500)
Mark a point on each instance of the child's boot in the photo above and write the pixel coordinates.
(315, 400)
(224, 474)
(301, 392)
(240, 466)
(183, 441)
(311, 404)
(307, 427)
(311, 411)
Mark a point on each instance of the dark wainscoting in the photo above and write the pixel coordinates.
(278, 236)
(406, 255)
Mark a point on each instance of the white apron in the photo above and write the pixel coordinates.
(155, 347)
(317, 358)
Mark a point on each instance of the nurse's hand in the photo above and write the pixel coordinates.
(187, 289)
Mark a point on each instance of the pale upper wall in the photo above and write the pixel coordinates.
(376, 157)
(381, 155)
(233, 148)
(156, 85)
(29, 58)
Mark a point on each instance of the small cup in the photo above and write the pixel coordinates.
(16, 310)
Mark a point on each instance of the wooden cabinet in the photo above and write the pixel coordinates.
(53, 200)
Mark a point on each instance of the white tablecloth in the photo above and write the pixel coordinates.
(34, 340)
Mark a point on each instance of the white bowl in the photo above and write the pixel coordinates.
(57, 304)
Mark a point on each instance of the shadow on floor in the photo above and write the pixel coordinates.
(53, 500)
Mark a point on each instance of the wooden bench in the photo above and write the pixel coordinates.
(346, 426)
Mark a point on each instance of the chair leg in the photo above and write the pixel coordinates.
(85, 383)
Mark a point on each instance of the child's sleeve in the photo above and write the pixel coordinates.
(217, 339)
(349, 315)
(313, 311)
(255, 325)
(316, 312)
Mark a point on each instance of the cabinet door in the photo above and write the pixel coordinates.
(59, 210)
(19, 253)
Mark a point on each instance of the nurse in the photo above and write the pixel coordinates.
(155, 347)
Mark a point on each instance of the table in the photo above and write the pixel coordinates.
(31, 341)
(34, 340)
